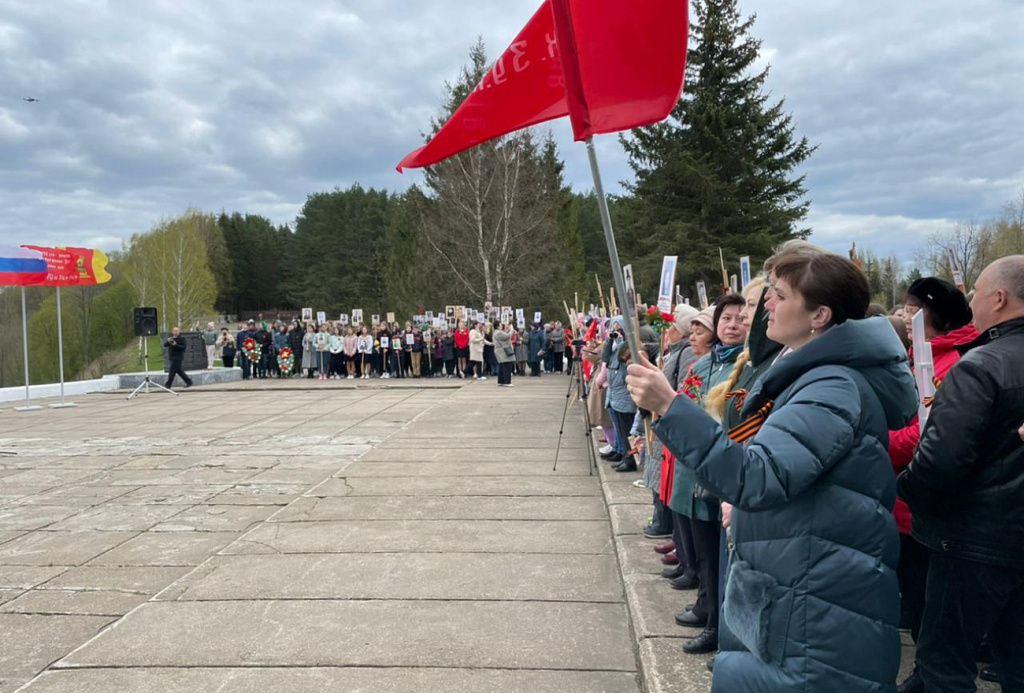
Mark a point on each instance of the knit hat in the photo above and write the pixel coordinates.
(706, 318)
(684, 315)
(946, 303)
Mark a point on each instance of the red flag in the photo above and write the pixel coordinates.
(73, 266)
(624, 62)
(525, 87)
(609, 65)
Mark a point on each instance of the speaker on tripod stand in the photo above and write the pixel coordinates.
(145, 322)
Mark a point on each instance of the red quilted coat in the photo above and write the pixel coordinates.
(903, 442)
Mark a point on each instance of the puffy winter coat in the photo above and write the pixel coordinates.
(812, 601)
(903, 442)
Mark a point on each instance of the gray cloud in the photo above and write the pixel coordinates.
(148, 108)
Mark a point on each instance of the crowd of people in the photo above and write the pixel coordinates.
(796, 490)
(332, 351)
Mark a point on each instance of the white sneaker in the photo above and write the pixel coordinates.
(351, 377)
(509, 385)
(461, 374)
(606, 450)
(482, 377)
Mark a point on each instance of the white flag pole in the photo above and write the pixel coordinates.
(60, 355)
(24, 333)
(613, 254)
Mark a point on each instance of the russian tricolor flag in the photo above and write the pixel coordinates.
(21, 267)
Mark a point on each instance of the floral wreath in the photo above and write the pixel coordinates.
(286, 360)
(252, 349)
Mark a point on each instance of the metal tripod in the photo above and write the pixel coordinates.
(577, 381)
(147, 385)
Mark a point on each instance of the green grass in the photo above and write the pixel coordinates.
(129, 361)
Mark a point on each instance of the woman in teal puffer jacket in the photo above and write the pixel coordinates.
(812, 602)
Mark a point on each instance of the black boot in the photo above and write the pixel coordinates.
(913, 684)
(706, 642)
(627, 465)
(674, 572)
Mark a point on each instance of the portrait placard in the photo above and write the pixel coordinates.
(702, 295)
(668, 279)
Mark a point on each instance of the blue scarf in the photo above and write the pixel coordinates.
(726, 354)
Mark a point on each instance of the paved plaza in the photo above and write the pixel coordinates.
(307, 536)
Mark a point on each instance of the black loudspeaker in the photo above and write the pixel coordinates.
(145, 322)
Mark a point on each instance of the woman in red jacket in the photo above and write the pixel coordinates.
(462, 347)
(947, 324)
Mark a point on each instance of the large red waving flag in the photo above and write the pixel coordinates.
(607, 64)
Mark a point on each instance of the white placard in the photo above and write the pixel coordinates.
(744, 271)
(343, 319)
(536, 316)
(410, 339)
(357, 315)
(702, 295)
(391, 317)
(375, 319)
(668, 279)
(321, 317)
(923, 367)
(734, 284)
(385, 342)
(307, 314)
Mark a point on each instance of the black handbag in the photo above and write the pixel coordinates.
(509, 351)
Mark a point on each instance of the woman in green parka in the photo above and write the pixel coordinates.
(812, 601)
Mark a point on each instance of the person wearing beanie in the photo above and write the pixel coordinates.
(947, 325)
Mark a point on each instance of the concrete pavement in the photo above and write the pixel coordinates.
(309, 536)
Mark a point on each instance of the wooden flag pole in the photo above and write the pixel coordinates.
(600, 293)
(725, 273)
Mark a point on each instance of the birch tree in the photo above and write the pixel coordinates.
(493, 210)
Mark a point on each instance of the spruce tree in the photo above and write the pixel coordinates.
(720, 172)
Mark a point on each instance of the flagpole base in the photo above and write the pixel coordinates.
(28, 407)
(63, 405)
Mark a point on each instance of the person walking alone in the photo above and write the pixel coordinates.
(176, 356)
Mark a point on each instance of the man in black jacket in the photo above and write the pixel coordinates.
(176, 355)
(965, 487)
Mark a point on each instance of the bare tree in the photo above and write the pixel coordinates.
(969, 241)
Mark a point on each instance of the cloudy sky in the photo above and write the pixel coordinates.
(147, 108)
